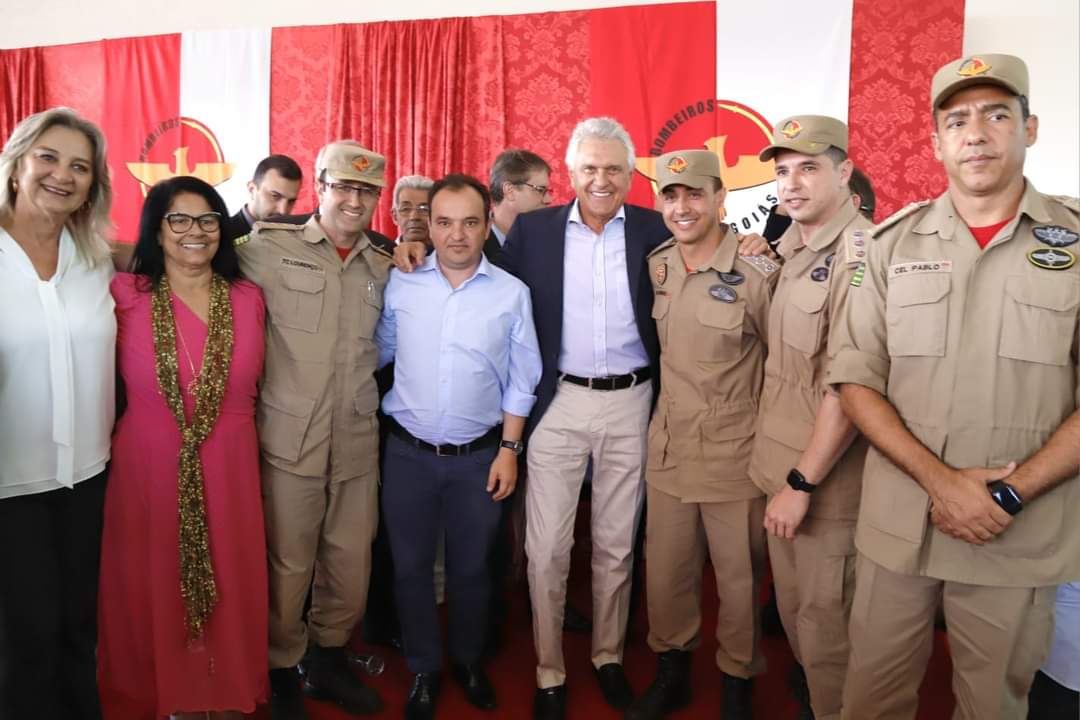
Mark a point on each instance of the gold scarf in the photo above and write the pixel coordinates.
(197, 585)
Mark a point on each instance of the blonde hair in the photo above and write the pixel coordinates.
(88, 225)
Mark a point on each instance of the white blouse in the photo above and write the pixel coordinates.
(57, 370)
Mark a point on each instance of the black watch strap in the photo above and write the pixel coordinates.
(516, 445)
(798, 481)
(1005, 496)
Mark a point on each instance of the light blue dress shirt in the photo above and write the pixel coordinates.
(599, 331)
(461, 356)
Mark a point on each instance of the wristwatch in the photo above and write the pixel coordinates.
(1005, 496)
(516, 445)
(798, 481)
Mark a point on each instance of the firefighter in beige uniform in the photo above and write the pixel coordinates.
(323, 283)
(804, 442)
(710, 307)
(957, 361)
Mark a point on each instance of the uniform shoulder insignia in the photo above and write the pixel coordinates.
(242, 240)
(1068, 201)
(898, 216)
(265, 225)
(380, 251)
(670, 242)
(853, 251)
(762, 264)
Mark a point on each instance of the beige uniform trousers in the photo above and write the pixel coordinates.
(321, 528)
(677, 534)
(815, 584)
(612, 427)
(998, 638)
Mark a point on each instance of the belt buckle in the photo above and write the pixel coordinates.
(633, 379)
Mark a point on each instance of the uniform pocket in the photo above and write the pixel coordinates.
(917, 314)
(283, 421)
(298, 302)
(1038, 319)
(803, 320)
(721, 336)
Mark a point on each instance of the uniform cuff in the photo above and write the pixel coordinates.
(859, 368)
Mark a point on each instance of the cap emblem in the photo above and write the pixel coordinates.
(972, 67)
(677, 164)
(791, 129)
(361, 163)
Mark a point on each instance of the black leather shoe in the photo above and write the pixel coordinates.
(550, 703)
(575, 621)
(286, 700)
(328, 678)
(474, 682)
(735, 704)
(422, 697)
(669, 691)
(614, 686)
(797, 683)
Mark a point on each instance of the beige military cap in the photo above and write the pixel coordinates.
(347, 160)
(1008, 71)
(807, 134)
(692, 168)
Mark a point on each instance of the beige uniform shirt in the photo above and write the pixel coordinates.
(812, 286)
(977, 350)
(316, 409)
(712, 325)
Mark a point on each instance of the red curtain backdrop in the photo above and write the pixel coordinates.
(896, 46)
(22, 87)
(439, 95)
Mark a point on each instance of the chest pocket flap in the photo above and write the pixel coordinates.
(721, 336)
(1039, 318)
(300, 304)
(303, 281)
(803, 327)
(917, 314)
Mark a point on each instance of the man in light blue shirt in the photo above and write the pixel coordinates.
(467, 362)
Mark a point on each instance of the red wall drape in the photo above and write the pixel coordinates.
(22, 87)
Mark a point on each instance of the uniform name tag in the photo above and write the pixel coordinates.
(926, 266)
(301, 264)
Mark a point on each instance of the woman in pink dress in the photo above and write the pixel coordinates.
(183, 592)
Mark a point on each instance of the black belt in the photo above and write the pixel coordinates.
(489, 439)
(611, 382)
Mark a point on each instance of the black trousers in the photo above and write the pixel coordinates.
(424, 494)
(50, 549)
(1050, 701)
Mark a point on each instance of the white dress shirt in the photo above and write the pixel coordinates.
(599, 332)
(57, 370)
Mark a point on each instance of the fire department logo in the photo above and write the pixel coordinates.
(791, 129)
(361, 164)
(166, 153)
(972, 67)
(677, 164)
(736, 133)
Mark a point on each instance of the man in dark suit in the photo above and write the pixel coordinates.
(585, 265)
(519, 183)
(273, 191)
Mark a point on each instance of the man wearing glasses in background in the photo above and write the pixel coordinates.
(411, 209)
(519, 184)
(323, 282)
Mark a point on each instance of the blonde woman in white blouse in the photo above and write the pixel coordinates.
(57, 375)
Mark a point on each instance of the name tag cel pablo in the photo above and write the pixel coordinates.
(920, 267)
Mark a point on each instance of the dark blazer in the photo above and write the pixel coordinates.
(534, 253)
(236, 226)
(492, 249)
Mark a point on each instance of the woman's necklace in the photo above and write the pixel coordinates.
(193, 386)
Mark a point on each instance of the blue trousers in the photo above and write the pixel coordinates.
(423, 495)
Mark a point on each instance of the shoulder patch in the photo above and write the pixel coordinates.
(1068, 201)
(380, 251)
(670, 242)
(265, 225)
(898, 216)
(242, 240)
(854, 249)
(762, 264)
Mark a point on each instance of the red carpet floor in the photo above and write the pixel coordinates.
(512, 673)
